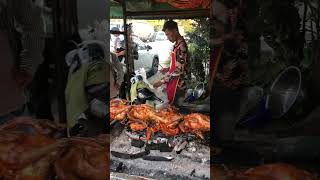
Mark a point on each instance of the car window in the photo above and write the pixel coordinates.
(160, 36)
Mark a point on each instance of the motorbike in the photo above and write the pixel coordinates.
(87, 60)
(142, 91)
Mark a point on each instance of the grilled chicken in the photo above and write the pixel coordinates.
(142, 117)
(145, 117)
(196, 123)
(138, 126)
(30, 126)
(276, 171)
(119, 109)
(117, 102)
(169, 121)
(25, 156)
(119, 113)
(85, 158)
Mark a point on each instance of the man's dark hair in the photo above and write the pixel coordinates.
(170, 25)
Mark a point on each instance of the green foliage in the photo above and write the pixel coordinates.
(199, 51)
(280, 24)
(157, 24)
(187, 25)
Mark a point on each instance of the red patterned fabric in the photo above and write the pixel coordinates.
(172, 84)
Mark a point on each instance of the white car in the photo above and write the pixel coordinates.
(148, 58)
(163, 47)
(158, 36)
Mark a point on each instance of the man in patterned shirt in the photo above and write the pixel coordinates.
(18, 66)
(176, 73)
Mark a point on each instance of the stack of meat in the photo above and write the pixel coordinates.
(168, 121)
(30, 148)
(85, 158)
(276, 171)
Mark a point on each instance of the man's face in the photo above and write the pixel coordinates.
(171, 35)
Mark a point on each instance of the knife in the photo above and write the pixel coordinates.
(157, 158)
(129, 156)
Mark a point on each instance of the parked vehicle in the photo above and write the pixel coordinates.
(158, 36)
(142, 30)
(148, 58)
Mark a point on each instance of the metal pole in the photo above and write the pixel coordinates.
(128, 65)
(59, 60)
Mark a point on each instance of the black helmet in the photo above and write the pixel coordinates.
(115, 29)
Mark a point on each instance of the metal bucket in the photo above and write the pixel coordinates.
(199, 90)
(284, 92)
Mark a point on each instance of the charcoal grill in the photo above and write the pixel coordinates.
(193, 162)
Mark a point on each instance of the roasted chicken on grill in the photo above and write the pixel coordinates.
(85, 158)
(195, 123)
(142, 117)
(30, 126)
(276, 171)
(167, 120)
(119, 109)
(25, 156)
(117, 102)
(145, 117)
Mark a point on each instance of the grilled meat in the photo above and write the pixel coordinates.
(24, 156)
(196, 123)
(85, 158)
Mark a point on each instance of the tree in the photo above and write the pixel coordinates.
(199, 51)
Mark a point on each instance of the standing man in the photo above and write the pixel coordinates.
(18, 64)
(116, 40)
(117, 46)
(176, 73)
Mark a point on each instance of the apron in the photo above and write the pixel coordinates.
(173, 83)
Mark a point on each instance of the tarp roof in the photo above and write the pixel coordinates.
(156, 9)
